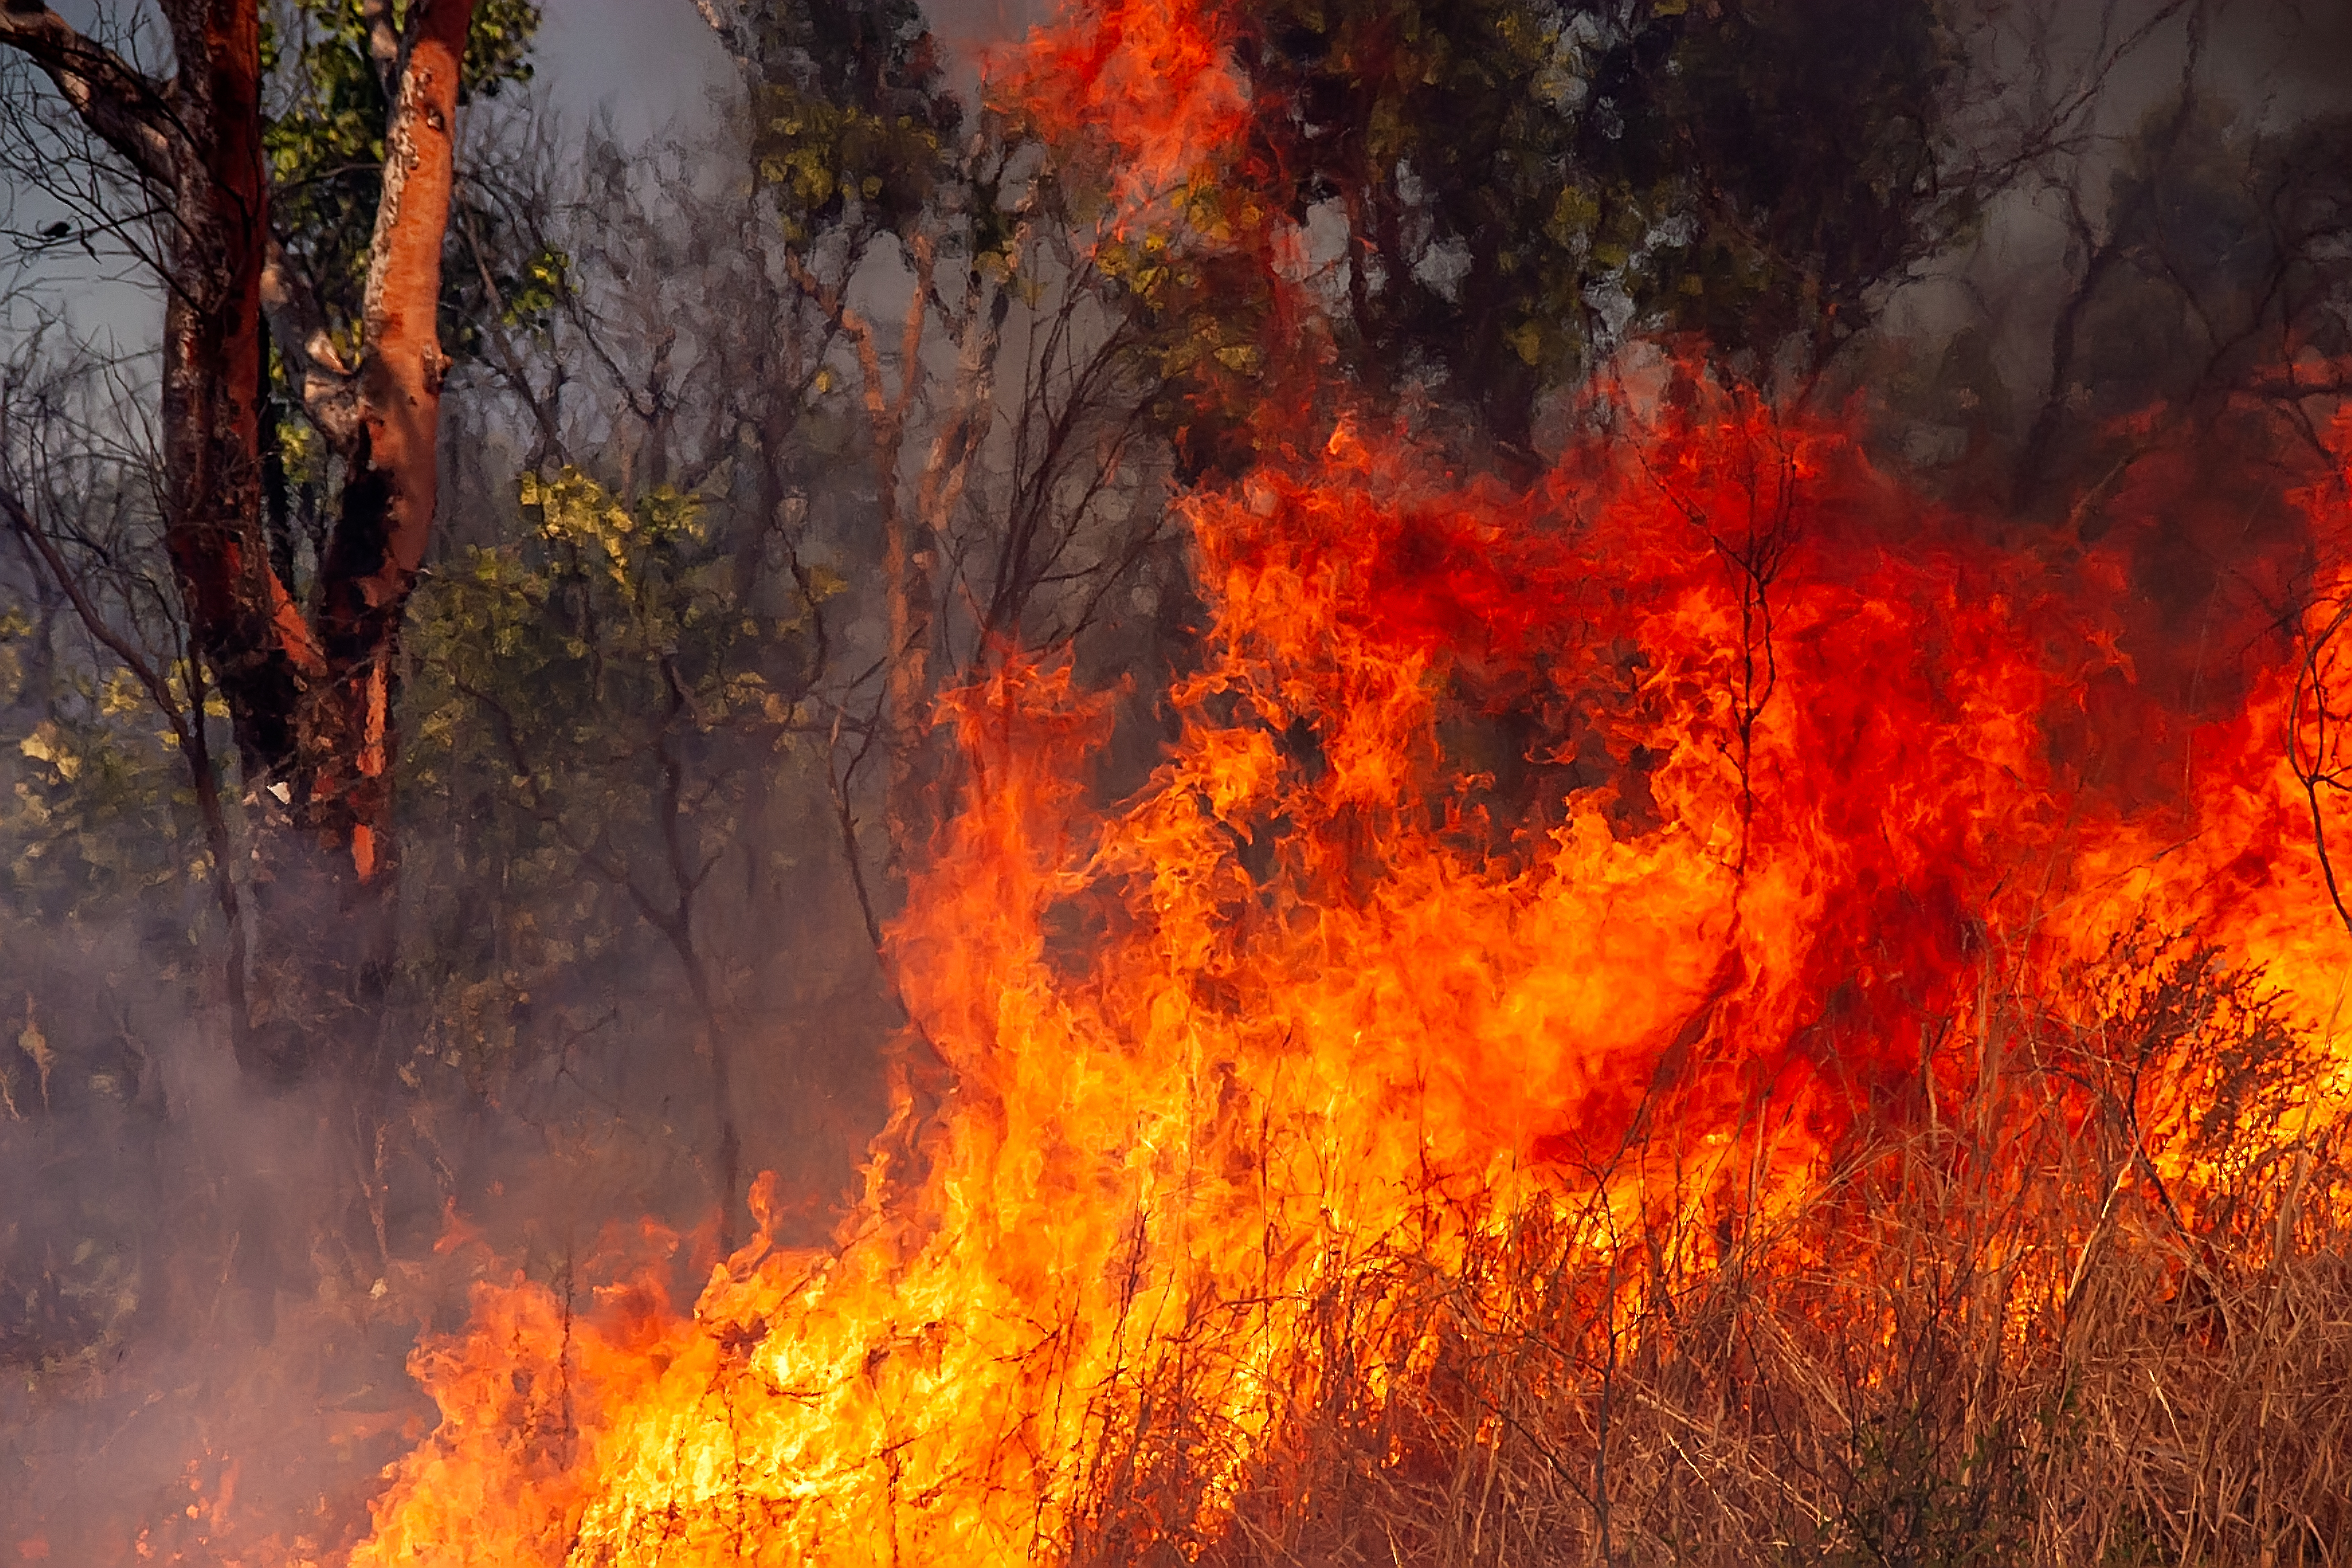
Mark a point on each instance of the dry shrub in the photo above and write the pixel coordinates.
(1996, 1332)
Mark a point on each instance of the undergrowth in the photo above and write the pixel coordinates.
(2086, 1299)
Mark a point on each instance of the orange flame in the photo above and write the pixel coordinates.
(1622, 840)
(1309, 1000)
(1143, 93)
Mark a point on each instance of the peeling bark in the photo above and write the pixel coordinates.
(333, 869)
(379, 541)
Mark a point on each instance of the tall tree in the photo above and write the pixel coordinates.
(309, 685)
(1522, 186)
(861, 144)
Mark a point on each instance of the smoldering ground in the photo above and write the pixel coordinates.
(209, 1289)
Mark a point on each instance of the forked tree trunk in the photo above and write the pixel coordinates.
(334, 870)
(311, 695)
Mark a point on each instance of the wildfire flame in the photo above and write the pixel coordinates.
(1150, 87)
(1613, 845)
(1295, 1006)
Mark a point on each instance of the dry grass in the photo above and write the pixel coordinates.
(1993, 1335)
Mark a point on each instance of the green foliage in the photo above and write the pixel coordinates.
(498, 45)
(1822, 165)
(96, 806)
(596, 709)
(324, 140)
(13, 629)
(822, 161)
(855, 123)
(533, 291)
(1201, 310)
(1524, 182)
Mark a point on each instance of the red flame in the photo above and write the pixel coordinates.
(1622, 841)
(1803, 759)
(1141, 93)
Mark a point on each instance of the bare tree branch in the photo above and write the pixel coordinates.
(125, 108)
(383, 45)
(186, 721)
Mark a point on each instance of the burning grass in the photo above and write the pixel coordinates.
(1777, 1125)
(2002, 1337)
(1668, 1000)
(1998, 1334)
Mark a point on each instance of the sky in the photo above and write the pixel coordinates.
(653, 63)
(650, 61)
